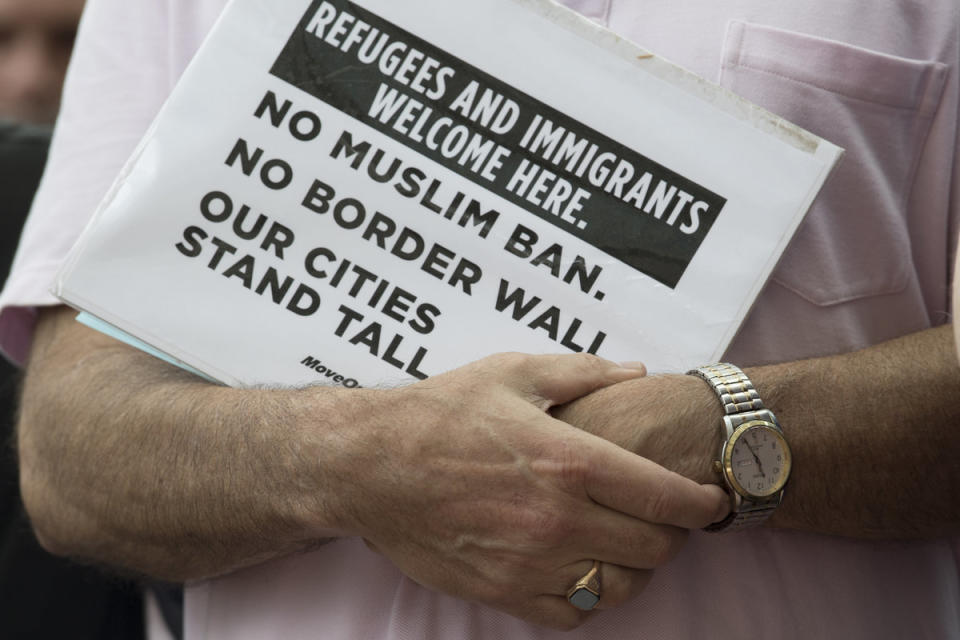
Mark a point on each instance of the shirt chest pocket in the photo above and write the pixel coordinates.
(854, 242)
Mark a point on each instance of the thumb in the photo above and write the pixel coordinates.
(558, 379)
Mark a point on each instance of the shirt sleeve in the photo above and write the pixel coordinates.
(127, 59)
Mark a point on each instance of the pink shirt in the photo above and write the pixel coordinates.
(878, 77)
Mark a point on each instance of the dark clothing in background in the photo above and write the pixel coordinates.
(42, 596)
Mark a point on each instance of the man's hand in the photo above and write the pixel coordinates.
(484, 496)
(463, 480)
(671, 419)
(859, 425)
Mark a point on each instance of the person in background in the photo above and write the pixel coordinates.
(36, 38)
(41, 596)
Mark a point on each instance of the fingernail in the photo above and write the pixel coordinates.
(723, 508)
(637, 366)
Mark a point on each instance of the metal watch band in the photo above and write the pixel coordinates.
(749, 515)
(740, 402)
(733, 387)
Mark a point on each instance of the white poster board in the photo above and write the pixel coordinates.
(363, 192)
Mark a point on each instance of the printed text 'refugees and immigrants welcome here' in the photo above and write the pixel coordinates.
(508, 143)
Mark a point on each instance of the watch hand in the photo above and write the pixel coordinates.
(755, 457)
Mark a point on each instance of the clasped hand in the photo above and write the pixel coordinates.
(472, 488)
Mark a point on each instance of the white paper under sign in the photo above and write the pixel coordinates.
(360, 192)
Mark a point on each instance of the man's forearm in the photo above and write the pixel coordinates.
(874, 434)
(462, 480)
(875, 438)
(121, 473)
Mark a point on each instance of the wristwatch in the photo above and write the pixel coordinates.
(755, 458)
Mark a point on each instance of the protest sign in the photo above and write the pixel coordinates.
(364, 192)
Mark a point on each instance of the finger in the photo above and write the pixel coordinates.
(616, 538)
(639, 366)
(558, 379)
(618, 585)
(552, 611)
(641, 488)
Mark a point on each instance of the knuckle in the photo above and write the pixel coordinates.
(615, 593)
(550, 527)
(573, 474)
(661, 502)
(664, 545)
(538, 525)
(623, 586)
(493, 593)
(498, 584)
(557, 512)
(592, 361)
(563, 461)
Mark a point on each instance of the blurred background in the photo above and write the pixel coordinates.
(36, 38)
(40, 596)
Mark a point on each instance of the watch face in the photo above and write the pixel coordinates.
(757, 459)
